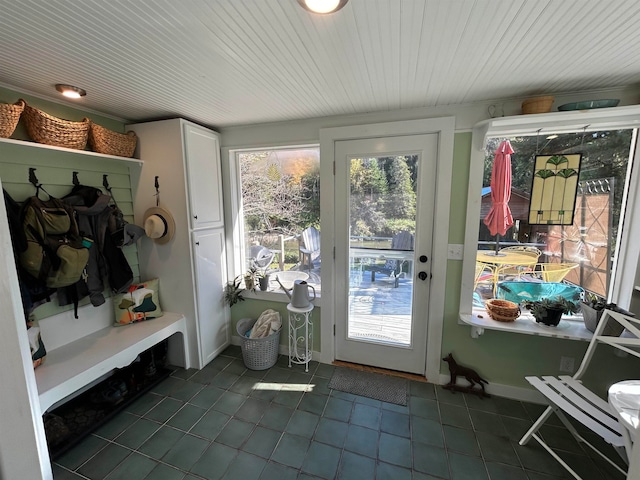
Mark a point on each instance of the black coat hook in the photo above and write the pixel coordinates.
(35, 182)
(32, 177)
(76, 182)
(157, 195)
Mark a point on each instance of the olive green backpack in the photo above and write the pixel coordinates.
(56, 254)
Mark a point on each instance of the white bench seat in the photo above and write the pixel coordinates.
(75, 365)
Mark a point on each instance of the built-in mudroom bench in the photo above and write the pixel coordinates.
(83, 351)
(70, 368)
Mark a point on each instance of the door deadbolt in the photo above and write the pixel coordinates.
(423, 259)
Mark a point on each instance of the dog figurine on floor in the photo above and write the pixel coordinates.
(469, 374)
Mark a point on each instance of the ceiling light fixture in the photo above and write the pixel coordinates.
(70, 91)
(322, 6)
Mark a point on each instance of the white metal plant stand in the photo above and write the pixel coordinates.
(300, 335)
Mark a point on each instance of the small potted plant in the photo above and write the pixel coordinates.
(252, 278)
(592, 309)
(233, 291)
(549, 311)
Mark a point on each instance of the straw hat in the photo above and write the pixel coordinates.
(159, 224)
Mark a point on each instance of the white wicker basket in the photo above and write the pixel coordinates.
(257, 353)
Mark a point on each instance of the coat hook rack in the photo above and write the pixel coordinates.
(76, 182)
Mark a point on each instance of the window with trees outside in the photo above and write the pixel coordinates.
(280, 199)
(534, 259)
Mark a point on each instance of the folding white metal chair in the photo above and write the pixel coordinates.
(568, 396)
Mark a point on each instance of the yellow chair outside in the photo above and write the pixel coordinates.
(485, 274)
(533, 251)
(519, 270)
(555, 272)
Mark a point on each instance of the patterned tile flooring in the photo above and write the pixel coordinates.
(227, 422)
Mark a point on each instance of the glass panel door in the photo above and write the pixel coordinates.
(383, 232)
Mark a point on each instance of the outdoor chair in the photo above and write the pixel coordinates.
(402, 241)
(519, 270)
(524, 249)
(555, 272)
(309, 248)
(568, 397)
(485, 274)
(260, 257)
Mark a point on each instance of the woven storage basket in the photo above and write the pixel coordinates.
(502, 310)
(257, 353)
(103, 140)
(47, 129)
(537, 105)
(9, 117)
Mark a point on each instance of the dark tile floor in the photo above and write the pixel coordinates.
(227, 422)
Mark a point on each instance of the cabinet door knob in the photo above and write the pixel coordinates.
(197, 243)
(195, 216)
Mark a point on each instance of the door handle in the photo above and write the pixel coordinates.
(422, 275)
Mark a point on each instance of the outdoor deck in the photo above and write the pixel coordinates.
(379, 311)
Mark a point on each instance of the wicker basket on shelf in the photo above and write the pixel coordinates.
(502, 310)
(103, 140)
(47, 129)
(537, 104)
(9, 117)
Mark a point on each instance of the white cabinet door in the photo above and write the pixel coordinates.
(202, 151)
(212, 314)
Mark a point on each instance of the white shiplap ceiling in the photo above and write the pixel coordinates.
(232, 62)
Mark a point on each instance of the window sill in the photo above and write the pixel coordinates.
(275, 296)
(571, 329)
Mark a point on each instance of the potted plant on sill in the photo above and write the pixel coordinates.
(593, 308)
(233, 291)
(252, 278)
(549, 311)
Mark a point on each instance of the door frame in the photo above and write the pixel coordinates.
(444, 127)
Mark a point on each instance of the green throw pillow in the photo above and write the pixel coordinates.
(141, 302)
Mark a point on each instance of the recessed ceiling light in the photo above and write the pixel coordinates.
(70, 91)
(322, 6)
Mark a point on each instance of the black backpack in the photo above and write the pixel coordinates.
(56, 254)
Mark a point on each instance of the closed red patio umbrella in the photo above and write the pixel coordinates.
(499, 218)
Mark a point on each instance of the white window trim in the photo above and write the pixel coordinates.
(234, 227)
(624, 274)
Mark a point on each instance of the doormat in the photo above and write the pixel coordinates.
(385, 388)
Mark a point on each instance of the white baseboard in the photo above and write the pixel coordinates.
(507, 391)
